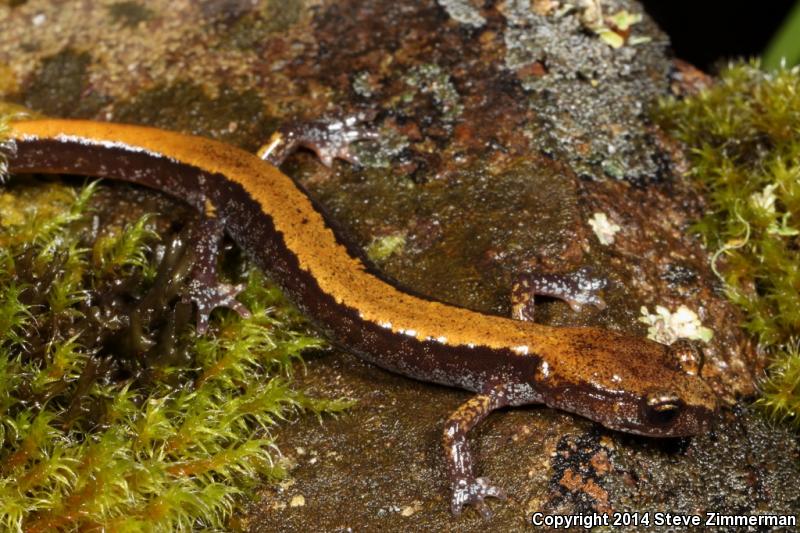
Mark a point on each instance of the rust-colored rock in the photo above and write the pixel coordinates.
(505, 128)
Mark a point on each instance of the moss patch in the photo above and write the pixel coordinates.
(744, 140)
(109, 421)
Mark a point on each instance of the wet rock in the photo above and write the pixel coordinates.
(505, 128)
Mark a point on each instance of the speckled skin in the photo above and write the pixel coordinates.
(205, 289)
(330, 139)
(625, 383)
(576, 288)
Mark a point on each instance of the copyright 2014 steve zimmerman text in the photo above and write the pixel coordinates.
(657, 519)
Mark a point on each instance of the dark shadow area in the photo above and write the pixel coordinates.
(709, 32)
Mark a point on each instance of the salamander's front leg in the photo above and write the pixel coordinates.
(205, 289)
(329, 138)
(467, 489)
(577, 288)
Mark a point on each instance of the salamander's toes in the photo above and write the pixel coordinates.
(204, 288)
(208, 297)
(474, 492)
(577, 288)
(328, 138)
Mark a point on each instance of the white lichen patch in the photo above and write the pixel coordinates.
(409, 510)
(611, 38)
(603, 228)
(622, 20)
(591, 13)
(666, 327)
(463, 12)
(614, 29)
(765, 200)
(297, 501)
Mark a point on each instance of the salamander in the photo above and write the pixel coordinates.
(623, 382)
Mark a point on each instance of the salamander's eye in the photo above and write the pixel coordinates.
(662, 408)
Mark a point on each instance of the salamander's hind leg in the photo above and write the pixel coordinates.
(577, 288)
(205, 289)
(467, 489)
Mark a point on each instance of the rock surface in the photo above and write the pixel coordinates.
(504, 129)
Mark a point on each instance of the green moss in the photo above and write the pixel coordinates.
(781, 392)
(785, 43)
(170, 438)
(126, 249)
(743, 136)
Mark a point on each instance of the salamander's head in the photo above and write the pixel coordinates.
(630, 384)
